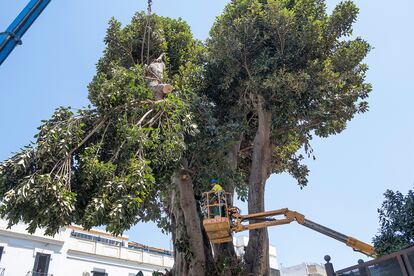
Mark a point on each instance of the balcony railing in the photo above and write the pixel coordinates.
(396, 264)
(34, 273)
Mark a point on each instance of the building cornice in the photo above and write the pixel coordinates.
(81, 255)
(30, 237)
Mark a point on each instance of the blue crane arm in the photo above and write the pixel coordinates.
(14, 33)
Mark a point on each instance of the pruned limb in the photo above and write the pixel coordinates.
(160, 90)
(155, 78)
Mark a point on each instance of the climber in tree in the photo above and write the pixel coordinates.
(216, 187)
(218, 200)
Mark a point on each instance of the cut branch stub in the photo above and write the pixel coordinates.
(155, 77)
(184, 177)
(160, 90)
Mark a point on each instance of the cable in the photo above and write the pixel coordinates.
(147, 30)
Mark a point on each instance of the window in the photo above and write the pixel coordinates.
(136, 274)
(95, 273)
(41, 265)
(1, 251)
(99, 272)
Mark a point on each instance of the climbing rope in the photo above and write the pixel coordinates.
(147, 30)
(149, 7)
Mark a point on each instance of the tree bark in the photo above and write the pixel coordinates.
(257, 252)
(193, 224)
(186, 221)
(181, 265)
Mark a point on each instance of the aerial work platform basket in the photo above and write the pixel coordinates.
(217, 221)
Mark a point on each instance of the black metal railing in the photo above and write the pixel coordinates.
(149, 249)
(397, 264)
(99, 239)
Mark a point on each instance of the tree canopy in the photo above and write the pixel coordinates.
(295, 57)
(104, 164)
(396, 222)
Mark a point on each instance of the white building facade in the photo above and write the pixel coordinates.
(304, 269)
(240, 243)
(76, 252)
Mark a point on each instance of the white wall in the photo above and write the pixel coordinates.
(241, 242)
(79, 264)
(298, 270)
(72, 256)
(19, 255)
(303, 269)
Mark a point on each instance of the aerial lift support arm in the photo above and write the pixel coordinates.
(14, 33)
(266, 219)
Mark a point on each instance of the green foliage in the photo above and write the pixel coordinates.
(111, 163)
(127, 46)
(39, 193)
(214, 140)
(182, 244)
(104, 91)
(396, 222)
(299, 60)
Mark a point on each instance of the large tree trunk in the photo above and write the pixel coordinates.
(225, 252)
(181, 263)
(257, 252)
(188, 231)
(193, 224)
(191, 251)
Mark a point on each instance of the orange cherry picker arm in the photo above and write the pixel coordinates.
(266, 219)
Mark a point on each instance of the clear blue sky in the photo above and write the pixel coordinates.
(352, 170)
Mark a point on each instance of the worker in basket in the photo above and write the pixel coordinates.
(217, 199)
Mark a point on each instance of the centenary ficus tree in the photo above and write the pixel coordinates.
(273, 74)
(396, 222)
(284, 71)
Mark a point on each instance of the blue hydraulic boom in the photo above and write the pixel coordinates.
(14, 33)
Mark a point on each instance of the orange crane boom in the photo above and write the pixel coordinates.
(220, 227)
(290, 216)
